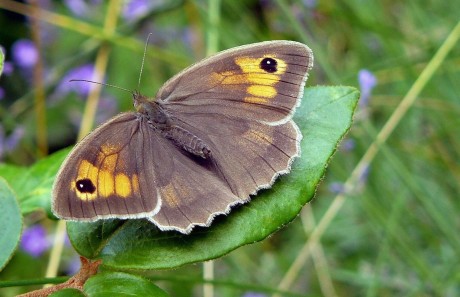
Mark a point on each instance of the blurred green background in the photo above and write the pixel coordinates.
(392, 230)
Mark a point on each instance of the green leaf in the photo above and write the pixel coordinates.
(33, 184)
(111, 284)
(93, 237)
(2, 60)
(324, 118)
(11, 221)
(68, 293)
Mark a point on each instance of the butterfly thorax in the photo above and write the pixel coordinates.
(150, 110)
(159, 119)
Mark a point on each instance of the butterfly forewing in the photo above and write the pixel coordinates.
(241, 82)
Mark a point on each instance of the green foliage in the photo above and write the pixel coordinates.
(11, 217)
(32, 185)
(68, 293)
(110, 284)
(2, 61)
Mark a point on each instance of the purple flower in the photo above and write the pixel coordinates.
(77, 7)
(135, 9)
(347, 145)
(337, 188)
(73, 266)
(80, 87)
(9, 143)
(367, 81)
(310, 3)
(25, 54)
(107, 107)
(7, 68)
(81, 8)
(34, 241)
(253, 294)
(364, 175)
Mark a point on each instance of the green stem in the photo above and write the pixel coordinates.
(213, 32)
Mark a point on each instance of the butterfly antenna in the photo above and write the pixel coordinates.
(143, 60)
(102, 84)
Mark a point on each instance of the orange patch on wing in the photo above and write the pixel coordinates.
(135, 183)
(256, 100)
(262, 91)
(259, 136)
(86, 170)
(105, 183)
(252, 65)
(109, 162)
(169, 195)
(122, 185)
(175, 192)
(105, 180)
(260, 84)
(109, 149)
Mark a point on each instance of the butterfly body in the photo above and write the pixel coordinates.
(160, 120)
(213, 135)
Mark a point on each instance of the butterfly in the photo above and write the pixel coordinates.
(214, 134)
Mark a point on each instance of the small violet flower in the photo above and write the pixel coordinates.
(80, 87)
(107, 108)
(367, 81)
(310, 3)
(337, 188)
(9, 143)
(7, 65)
(34, 241)
(364, 175)
(134, 9)
(12, 141)
(7, 68)
(73, 266)
(25, 53)
(77, 7)
(347, 145)
(81, 8)
(253, 294)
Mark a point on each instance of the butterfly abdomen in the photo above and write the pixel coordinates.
(187, 140)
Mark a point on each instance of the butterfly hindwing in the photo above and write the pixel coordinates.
(107, 175)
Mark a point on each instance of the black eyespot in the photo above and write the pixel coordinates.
(268, 64)
(85, 186)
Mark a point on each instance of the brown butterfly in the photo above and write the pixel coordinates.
(213, 135)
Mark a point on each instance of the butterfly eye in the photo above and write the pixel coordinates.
(85, 186)
(269, 64)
